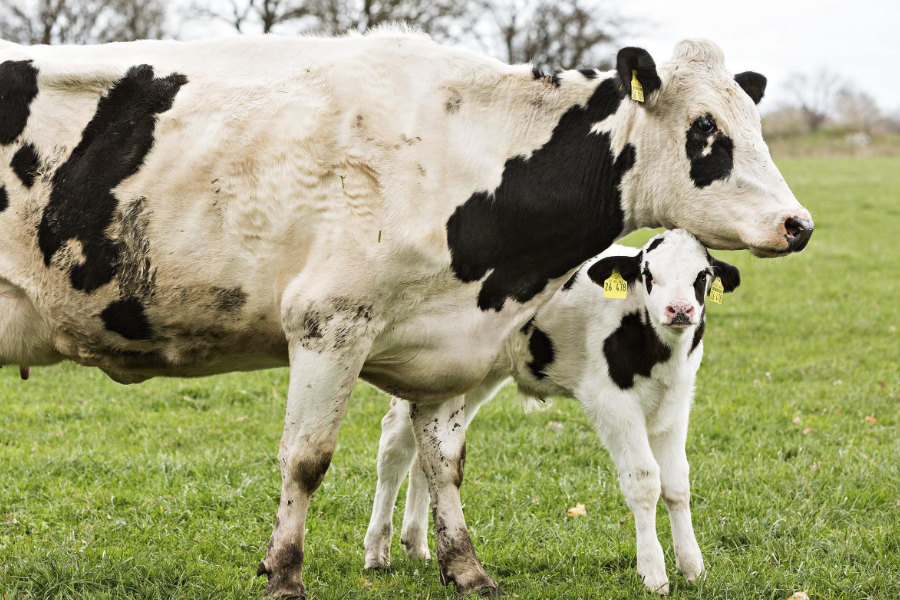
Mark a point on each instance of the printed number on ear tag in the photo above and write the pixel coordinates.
(716, 291)
(615, 287)
(637, 90)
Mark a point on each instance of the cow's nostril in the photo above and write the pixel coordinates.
(797, 231)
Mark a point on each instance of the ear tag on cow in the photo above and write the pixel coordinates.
(637, 90)
(716, 291)
(615, 287)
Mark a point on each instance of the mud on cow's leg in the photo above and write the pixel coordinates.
(441, 445)
(322, 377)
(396, 452)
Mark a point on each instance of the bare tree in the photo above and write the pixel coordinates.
(815, 95)
(80, 21)
(856, 109)
(251, 15)
(550, 33)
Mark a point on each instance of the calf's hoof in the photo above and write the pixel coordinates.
(416, 549)
(280, 587)
(658, 585)
(691, 567)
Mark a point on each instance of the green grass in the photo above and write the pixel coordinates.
(169, 489)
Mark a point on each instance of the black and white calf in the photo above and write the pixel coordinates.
(632, 364)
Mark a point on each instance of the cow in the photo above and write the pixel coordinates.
(632, 364)
(376, 206)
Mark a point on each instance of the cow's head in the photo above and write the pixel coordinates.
(704, 166)
(673, 273)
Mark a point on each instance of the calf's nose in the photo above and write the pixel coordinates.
(679, 312)
(797, 232)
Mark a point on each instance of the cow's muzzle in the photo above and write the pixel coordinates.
(797, 232)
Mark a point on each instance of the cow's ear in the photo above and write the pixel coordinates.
(629, 267)
(752, 83)
(637, 63)
(729, 274)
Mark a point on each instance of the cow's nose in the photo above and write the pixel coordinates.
(798, 231)
(679, 312)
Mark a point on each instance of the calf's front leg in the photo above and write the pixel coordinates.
(441, 444)
(669, 449)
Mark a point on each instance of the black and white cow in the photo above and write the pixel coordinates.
(374, 206)
(632, 363)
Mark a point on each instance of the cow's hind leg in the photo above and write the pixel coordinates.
(441, 443)
(414, 535)
(322, 378)
(395, 454)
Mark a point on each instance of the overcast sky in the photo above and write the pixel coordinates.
(859, 39)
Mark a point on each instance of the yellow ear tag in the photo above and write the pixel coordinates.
(716, 291)
(637, 90)
(615, 287)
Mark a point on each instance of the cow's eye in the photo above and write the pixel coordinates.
(705, 125)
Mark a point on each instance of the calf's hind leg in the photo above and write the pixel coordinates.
(396, 452)
(441, 444)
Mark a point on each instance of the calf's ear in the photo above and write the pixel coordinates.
(729, 274)
(629, 267)
(636, 63)
(752, 83)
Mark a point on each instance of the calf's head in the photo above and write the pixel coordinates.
(703, 164)
(673, 273)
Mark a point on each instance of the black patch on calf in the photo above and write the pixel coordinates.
(25, 164)
(700, 287)
(729, 274)
(542, 353)
(550, 213)
(128, 319)
(715, 165)
(18, 88)
(752, 83)
(629, 267)
(654, 245)
(698, 333)
(112, 148)
(4, 198)
(589, 73)
(633, 349)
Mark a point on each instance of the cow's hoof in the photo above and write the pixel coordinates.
(484, 587)
(278, 587)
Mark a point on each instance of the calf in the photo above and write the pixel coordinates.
(632, 364)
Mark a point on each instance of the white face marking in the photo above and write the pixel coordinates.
(673, 268)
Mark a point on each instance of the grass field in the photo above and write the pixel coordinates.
(169, 489)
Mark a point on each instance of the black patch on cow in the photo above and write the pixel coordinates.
(654, 244)
(4, 199)
(550, 213)
(752, 83)
(112, 148)
(631, 59)
(718, 163)
(542, 353)
(18, 88)
(536, 73)
(228, 300)
(589, 73)
(629, 267)
(571, 281)
(729, 274)
(633, 349)
(554, 79)
(648, 279)
(25, 164)
(698, 333)
(527, 326)
(128, 319)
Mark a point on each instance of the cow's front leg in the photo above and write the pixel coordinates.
(321, 382)
(441, 443)
(621, 424)
(396, 452)
(676, 493)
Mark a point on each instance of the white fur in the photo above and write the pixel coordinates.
(643, 427)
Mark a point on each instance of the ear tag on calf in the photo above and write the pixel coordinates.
(615, 287)
(637, 90)
(716, 291)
